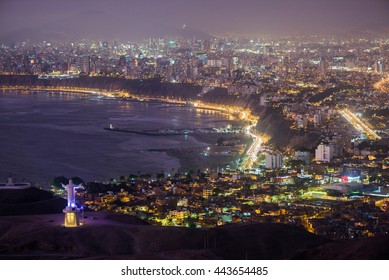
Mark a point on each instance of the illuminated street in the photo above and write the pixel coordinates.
(358, 124)
(252, 151)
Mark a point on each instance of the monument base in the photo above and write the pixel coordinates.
(71, 218)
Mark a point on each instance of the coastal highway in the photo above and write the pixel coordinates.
(252, 151)
(359, 124)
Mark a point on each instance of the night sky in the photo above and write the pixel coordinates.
(137, 18)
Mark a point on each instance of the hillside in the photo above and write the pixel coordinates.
(31, 227)
(29, 201)
(103, 237)
(272, 123)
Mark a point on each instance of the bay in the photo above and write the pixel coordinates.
(49, 134)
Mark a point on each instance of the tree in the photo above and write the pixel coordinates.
(188, 177)
(216, 191)
(94, 187)
(219, 141)
(77, 181)
(122, 178)
(145, 177)
(364, 145)
(58, 181)
(295, 164)
(132, 177)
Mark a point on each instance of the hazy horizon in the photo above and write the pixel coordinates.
(136, 19)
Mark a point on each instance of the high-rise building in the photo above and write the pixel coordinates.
(317, 119)
(324, 152)
(105, 45)
(273, 161)
(263, 100)
(378, 67)
(207, 192)
(323, 66)
(302, 122)
(206, 45)
(85, 64)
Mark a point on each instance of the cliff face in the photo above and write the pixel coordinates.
(220, 96)
(271, 121)
(151, 87)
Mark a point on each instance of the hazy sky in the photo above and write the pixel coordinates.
(214, 16)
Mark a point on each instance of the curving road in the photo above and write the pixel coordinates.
(252, 151)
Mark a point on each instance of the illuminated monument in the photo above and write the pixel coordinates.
(71, 211)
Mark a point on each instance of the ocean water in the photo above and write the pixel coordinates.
(49, 134)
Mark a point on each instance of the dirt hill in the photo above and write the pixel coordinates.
(31, 227)
(29, 201)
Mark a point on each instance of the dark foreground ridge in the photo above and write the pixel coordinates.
(29, 201)
(109, 236)
(112, 236)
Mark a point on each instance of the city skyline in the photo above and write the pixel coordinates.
(136, 20)
(194, 130)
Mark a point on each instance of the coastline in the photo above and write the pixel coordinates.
(189, 158)
(270, 123)
(231, 110)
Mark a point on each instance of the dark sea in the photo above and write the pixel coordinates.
(48, 134)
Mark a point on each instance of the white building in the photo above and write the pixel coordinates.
(263, 100)
(324, 153)
(317, 119)
(10, 185)
(302, 122)
(273, 161)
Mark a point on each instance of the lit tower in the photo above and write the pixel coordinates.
(71, 211)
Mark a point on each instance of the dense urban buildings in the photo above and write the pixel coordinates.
(316, 121)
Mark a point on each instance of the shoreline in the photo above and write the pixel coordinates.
(189, 158)
(124, 95)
